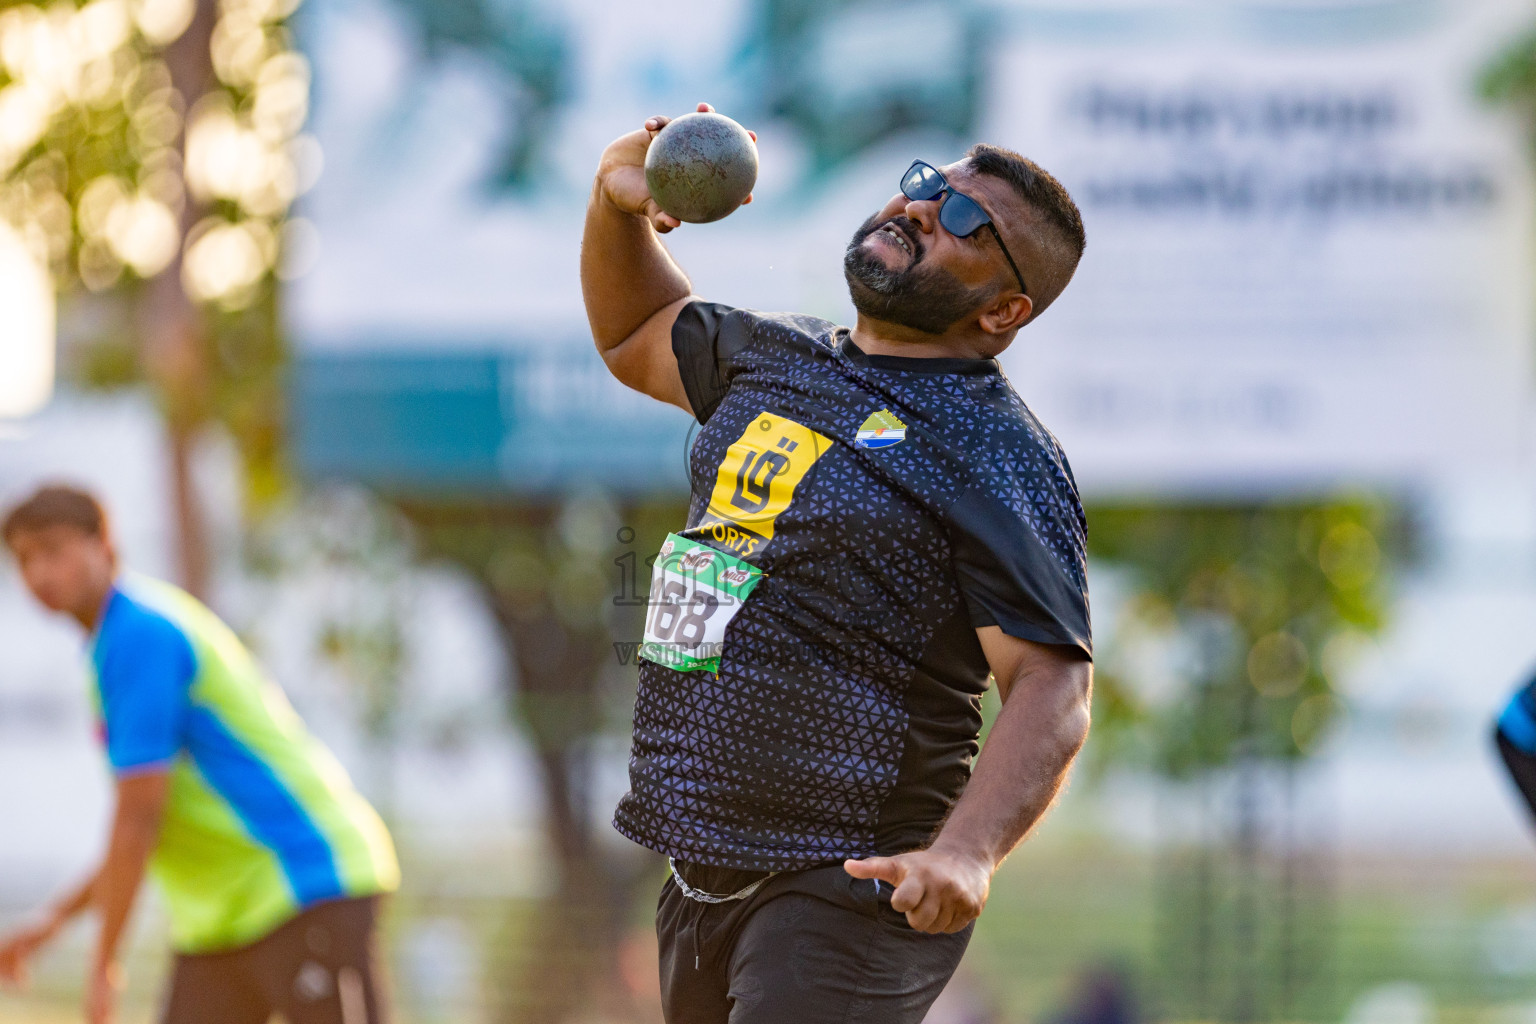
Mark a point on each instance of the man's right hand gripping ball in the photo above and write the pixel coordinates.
(621, 173)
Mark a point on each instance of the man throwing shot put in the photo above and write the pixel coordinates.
(271, 864)
(878, 524)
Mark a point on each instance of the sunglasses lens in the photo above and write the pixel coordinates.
(962, 216)
(921, 182)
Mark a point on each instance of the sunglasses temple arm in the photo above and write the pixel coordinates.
(1009, 257)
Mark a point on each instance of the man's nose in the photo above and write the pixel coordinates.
(925, 212)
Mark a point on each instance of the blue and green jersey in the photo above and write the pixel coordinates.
(262, 821)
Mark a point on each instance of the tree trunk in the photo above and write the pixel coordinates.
(572, 966)
(174, 332)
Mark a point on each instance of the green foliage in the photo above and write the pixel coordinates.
(1252, 612)
(250, 361)
(529, 55)
(88, 174)
(149, 152)
(1511, 76)
(838, 124)
(356, 554)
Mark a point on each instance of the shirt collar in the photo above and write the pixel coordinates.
(912, 364)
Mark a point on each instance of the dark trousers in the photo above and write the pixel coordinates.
(319, 968)
(809, 947)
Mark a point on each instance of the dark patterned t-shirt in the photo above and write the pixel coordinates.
(894, 505)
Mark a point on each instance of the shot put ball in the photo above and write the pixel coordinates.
(700, 167)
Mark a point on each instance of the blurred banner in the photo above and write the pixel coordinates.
(1309, 243)
(1309, 257)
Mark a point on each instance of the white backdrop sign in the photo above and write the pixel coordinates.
(1310, 241)
(1309, 253)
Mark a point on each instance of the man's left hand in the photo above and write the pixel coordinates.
(939, 891)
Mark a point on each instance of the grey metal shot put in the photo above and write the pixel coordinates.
(700, 167)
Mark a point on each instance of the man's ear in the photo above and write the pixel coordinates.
(1007, 314)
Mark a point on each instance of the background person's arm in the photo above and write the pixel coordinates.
(19, 947)
(112, 889)
(1044, 720)
(632, 286)
(141, 801)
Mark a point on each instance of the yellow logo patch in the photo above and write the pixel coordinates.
(757, 481)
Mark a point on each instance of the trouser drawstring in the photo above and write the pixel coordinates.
(704, 899)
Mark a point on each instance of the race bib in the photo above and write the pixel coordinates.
(695, 592)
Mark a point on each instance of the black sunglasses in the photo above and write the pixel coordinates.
(961, 215)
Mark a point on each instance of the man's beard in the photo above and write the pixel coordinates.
(926, 299)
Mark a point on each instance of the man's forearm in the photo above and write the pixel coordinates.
(626, 273)
(1040, 729)
(135, 830)
(75, 901)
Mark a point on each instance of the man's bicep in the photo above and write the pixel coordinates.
(645, 360)
(1013, 658)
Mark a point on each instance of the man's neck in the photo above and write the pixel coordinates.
(90, 614)
(880, 338)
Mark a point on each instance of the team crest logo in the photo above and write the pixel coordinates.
(881, 431)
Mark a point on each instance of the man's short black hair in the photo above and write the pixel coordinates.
(1059, 236)
(56, 505)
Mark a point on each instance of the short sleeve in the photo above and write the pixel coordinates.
(145, 677)
(706, 337)
(1021, 563)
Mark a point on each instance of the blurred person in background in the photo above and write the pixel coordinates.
(904, 527)
(271, 864)
(1104, 994)
(1515, 736)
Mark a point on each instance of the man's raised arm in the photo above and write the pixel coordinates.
(632, 287)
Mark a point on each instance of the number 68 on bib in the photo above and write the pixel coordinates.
(695, 592)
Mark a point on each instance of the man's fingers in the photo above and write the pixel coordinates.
(909, 894)
(887, 869)
(954, 915)
(753, 134)
(660, 219)
(942, 921)
(934, 894)
(955, 912)
(926, 911)
(933, 908)
(660, 121)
